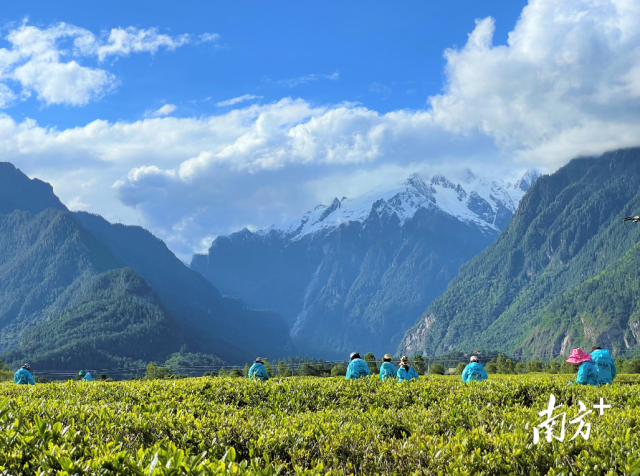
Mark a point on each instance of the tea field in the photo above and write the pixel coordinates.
(206, 426)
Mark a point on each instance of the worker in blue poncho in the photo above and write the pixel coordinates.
(86, 376)
(387, 370)
(587, 374)
(357, 368)
(604, 364)
(24, 376)
(406, 373)
(474, 371)
(258, 371)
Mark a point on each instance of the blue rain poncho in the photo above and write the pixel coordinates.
(474, 372)
(587, 374)
(23, 377)
(357, 368)
(387, 371)
(87, 378)
(258, 372)
(407, 375)
(605, 367)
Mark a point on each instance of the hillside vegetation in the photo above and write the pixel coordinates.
(77, 291)
(538, 290)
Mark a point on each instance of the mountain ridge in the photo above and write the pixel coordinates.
(355, 274)
(566, 231)
(54, 265)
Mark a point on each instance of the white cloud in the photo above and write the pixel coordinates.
(308, 78)
(163, 111)
(209, 37)
(186, 178)
(239, 99)
(565, 84)
(122, 42)
(64, 83)
(76, 203)
(47, 61)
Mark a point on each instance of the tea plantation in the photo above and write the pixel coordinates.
(204, 426)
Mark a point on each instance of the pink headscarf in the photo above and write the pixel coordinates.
(578, 356)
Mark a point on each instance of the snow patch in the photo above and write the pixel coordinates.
(476, 200)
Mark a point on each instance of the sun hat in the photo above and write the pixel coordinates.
(354, 355)
(474, 358)
(259, 359)
(578, 356)
(82, 373)
(26, 366)
(386, 358)
(404, 359)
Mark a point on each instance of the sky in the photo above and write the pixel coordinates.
(199, 118)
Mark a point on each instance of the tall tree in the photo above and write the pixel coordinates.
(370, 359)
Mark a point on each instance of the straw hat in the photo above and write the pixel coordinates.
(387, 358)
(578, 356)
(404, 360)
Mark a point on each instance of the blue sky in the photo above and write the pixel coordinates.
(385, 55)
(195, 119)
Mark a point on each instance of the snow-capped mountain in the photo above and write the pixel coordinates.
(487, 203)
(354, 275)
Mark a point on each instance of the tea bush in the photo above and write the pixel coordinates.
(207, 426)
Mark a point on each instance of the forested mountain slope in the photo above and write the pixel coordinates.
(116, 320)
(45, 260)
(224, 326)
(353, 275)
(522, 293)
(75, 287)
(19, 192)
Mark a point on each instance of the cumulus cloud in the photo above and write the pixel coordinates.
(186, 178)
(566, 83)
(47, 61)
(237, 100)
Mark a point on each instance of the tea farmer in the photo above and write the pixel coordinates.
(24, 376)
(258, 371)
(387, 370)
(587, 374)
(474, 371)
(605, 367)
(357, 367)
(86, 376)
(405, 371)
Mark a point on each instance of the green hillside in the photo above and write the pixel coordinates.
(45, 261)
(116, 319)
(568, 229)
(220, 325)
(19, 192)
(66, 298)
(604, 310)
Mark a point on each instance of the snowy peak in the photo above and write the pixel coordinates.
(527, 180)
(486, 203)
